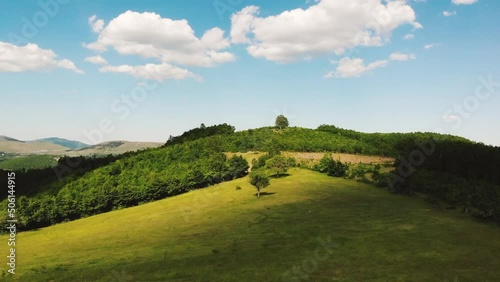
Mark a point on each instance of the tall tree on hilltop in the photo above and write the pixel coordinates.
(281, 122)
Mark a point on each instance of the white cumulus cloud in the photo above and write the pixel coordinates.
(96, 24)
(31, 58)
(98, 60)
(449, 13)
(170, 41)
(324, 28)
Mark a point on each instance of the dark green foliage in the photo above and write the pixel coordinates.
(237, 166)
(67, 169)
(260, 161)
(130, 180)
(259, 179)
(329, 166)
(278, 164)
(29, 162)
(201, 132)
(462, 174)
(459, 172)
(281, 122)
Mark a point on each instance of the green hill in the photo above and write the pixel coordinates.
(461, 173)
(71, 144)
(309, 227)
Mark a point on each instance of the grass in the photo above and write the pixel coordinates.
(24, 148)
(224, 234)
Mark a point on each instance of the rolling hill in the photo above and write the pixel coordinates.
(13, 146)
(113, 147)
(60, 146)
(71, 144)
(308, 227)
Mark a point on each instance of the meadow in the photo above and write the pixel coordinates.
(307, 227)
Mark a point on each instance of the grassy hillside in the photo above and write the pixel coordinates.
(23, 148)
(113, 147)
(28, 162)
(355, 231)
(71, 144)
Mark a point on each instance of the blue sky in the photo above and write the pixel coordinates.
(142, 70)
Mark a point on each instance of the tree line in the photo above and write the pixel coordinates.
(128, 181)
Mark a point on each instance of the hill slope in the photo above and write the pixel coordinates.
(7, 138)
(25, 148)
(113, 147)
(329, 229)
(71, 144)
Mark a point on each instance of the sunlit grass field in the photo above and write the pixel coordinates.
(308, 227)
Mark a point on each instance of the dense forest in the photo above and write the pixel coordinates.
(127, 181)
(446, 168)
(28, 162)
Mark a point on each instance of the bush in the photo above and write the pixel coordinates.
(329, 166)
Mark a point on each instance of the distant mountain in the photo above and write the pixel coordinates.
(70, 144)
(113, 147)
(7, 138)
(13, 146)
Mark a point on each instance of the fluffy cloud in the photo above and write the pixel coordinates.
(98, 60)
(31, 58)
(159, 72)
(169, 41)
(463, 2)
(356, 67)
(323, 28)
(95, 24)
(348, 67)
(449, 13)
(402, 57)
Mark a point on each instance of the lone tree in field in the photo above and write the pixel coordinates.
(278, 164)
(281, 122)
(259, 179)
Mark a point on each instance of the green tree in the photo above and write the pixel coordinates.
(329, 166)
(278, 164)
(259, 179)
(237, 166)
(281, 122)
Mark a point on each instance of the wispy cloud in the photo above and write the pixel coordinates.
(464, 2)
(355, 67)
(397, 56)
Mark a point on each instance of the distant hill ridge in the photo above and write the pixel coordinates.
(71, 144)
(7, 138)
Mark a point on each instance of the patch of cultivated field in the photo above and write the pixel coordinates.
(309, 227)
(345, 158)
